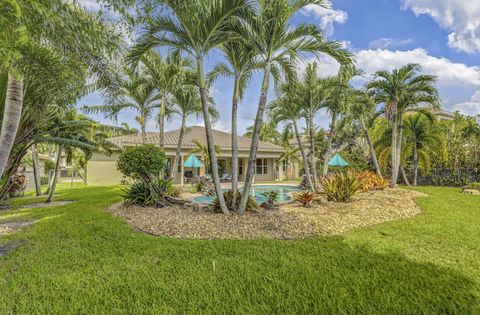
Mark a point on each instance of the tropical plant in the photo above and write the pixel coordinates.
(167, 75)
(279, 45)
(363, 113)
(31, 51)
(271, 198)
(187, 102)
(371, 180)
(228, 195)
(240, 67)
(341, 186)
(135, 93)
(421, 139)
(195, 27)
(288, 156)
(140, 194)
(287, 108)
(268, 132)
(337, 103)
(305, 198)
(202, 150)
(402, 90)
(144, 163)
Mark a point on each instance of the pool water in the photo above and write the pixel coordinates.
(282, 194)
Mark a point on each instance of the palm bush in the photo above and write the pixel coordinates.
(228, 195)
(341, 187)
(139, 193)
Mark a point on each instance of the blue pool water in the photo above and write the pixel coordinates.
(257, 191)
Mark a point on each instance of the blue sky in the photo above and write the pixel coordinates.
(442, 35)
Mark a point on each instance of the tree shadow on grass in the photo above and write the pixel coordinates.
(326, 275)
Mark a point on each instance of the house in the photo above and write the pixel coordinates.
(101, 169)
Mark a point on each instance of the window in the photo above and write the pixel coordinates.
(240, 166)
(285, 166)
(262, 166)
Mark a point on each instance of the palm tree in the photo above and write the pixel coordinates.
(136, 93)
(240, 67)
(268, 132)
(422, 137)
(289, 155)
(402, 90)
(363, 112)
(314, 93)
(195, 27)
(337, 101)
(287, 108)
(165, 74)
(187, 102)
(202, 150)
(71, 34)
(279, 45)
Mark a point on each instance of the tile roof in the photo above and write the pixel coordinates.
(222, 139)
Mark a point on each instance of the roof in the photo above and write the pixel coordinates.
(220, 138)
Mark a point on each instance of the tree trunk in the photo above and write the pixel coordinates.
(405, 178)
(36, 170)
(304, 157)
(209, 134)
(328, 152)
(11, 118)
(55, 175)
(161, 124)
(372, 151)
(394, 151)
(234, 143)
(415, 164)
(398, 150)
(144, 134)
(313, 162)
(252, 158)
(174, 171)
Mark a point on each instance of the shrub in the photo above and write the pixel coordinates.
(371, 180)
(228, 195)
(196, 187)
(340, 187)
(271, 197)
(142, 162)
(305, 198)
(139, 193)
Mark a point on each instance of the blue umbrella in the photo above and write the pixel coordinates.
(337, 160)
(193, 161)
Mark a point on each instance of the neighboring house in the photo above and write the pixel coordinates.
(102, 169)
(443, 114)
(29, 170)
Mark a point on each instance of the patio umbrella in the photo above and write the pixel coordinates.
(193, 161)
(337, 160)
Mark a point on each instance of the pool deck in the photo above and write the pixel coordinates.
(285, 183)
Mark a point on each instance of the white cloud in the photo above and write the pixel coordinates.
(327, 17)
(460, 17)
(471, 107)
(386, 42)
(91, 5)
(448, 72)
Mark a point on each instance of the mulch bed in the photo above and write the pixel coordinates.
(289, 222)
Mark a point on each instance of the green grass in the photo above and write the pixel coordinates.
(80, 260)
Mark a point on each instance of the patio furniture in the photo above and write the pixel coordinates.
(226, 178)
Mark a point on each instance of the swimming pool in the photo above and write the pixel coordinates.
(282, 194)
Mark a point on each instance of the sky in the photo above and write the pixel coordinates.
(441, 35)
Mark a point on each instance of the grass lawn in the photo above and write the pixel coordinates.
(80, 260)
